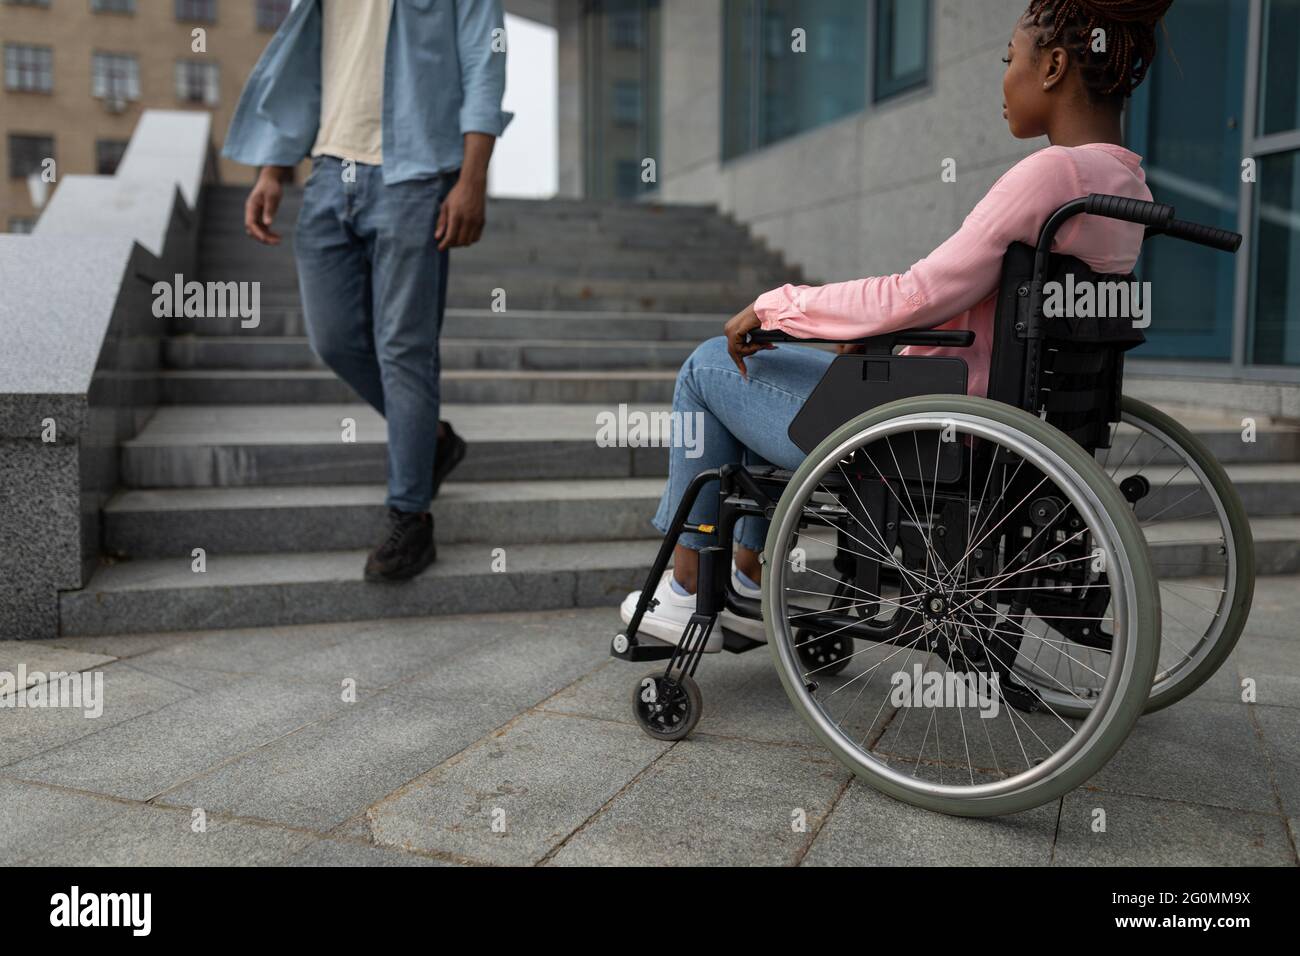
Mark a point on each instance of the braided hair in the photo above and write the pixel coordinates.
(1129, 28)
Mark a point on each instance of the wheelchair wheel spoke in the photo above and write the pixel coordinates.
(976, 580)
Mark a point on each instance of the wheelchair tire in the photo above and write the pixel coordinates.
(1132, 594)
(1172, 684)
(672, 710)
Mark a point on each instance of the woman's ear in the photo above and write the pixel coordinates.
(1055, 65)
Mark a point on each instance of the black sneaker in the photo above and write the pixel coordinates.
(408, 549)
(451, 452)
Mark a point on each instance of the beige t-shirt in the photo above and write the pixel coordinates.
(354, 34)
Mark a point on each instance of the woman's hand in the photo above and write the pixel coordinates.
(736, 331)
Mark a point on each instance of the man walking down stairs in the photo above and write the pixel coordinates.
(380, 211)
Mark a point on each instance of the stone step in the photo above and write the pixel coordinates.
(1221, 433)
(135, 597)
(227, 203)
(206, 446)
(252, 590)
(460, 386)
(486, 324)
(170, 523)
(267, 352)
(223, 259)
(1189, 547)
(237, 445)
(552, 291)
(1266, 489)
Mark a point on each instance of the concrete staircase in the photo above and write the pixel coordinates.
(246, 458)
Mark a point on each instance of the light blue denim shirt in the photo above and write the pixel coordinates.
(444, 75)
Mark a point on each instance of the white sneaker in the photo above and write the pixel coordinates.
(668, 619)
(743, 626)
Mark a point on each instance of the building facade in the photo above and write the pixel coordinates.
(78, 73)
(826, 124)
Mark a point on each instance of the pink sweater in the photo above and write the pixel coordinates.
(955, 287)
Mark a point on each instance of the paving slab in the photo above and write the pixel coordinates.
(508, 800)
(43, 659)
(1271, 663)
(867, 828)
(713, 801)
(142, 757)
(155, 836)
(322, 774)
(1280, 729)
(1195, 751)
(1141, 831)
(484, 674)
(742, 693)
(127, 694)
(32, 816)
(352, 853)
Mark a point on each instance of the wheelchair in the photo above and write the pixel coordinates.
(972, 600)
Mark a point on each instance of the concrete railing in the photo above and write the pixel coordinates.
(79, 354)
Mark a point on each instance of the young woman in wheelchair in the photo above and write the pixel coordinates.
(947, 532)
(1054, 86)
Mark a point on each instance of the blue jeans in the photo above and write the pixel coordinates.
(374, 288)
(744, 421)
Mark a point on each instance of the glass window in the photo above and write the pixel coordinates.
(203, 11)
(779, 82)
(29, 69)
(108, 154)
(198, 82)
(1279, 81)
(626, 103)
(902, 46)
(27, 3)
(271, 13)
(1186, 124)
(1275, 284)
(621, 79)
(112, 6)
(28, 152)
(625, 31)
(115, 76)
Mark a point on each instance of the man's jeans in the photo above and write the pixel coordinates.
(744, 421)
(374, 287)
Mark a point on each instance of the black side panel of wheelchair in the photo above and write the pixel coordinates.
(1081, 360)
(854, 384)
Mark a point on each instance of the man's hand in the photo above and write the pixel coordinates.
(460, 220)
(736, 332)
(263, 202)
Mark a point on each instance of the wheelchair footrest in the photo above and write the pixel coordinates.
(644, 649)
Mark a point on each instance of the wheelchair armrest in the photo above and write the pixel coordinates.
(940, 338)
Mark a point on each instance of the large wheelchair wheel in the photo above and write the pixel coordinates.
(971, 534)
(1200, 539)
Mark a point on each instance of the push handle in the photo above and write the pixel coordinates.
(1203, 235)
(1129, 210)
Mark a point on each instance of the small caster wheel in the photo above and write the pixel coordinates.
(823, 656)
(667, 708)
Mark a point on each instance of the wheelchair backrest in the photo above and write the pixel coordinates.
(1072, 373)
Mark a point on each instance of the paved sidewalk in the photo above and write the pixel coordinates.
(507, 739)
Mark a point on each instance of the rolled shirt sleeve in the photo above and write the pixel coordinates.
(482, 54)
